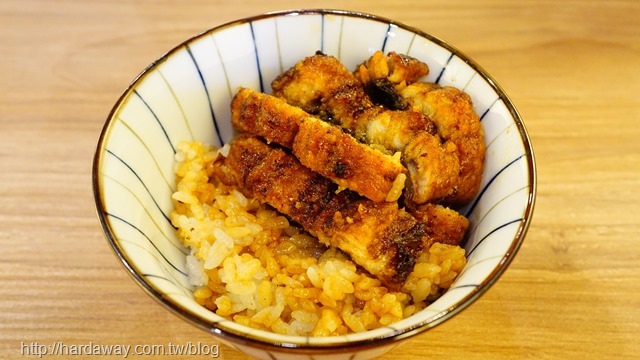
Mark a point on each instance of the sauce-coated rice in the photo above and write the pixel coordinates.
(249, 264)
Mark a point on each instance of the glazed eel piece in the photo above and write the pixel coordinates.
(380, 237)
(320, 146)
(392, 80)
(322, 86)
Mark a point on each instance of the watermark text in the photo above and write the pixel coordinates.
(60, 348)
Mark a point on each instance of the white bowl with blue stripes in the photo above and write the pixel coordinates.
(185, 95)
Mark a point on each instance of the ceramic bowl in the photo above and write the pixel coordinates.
(185, 95)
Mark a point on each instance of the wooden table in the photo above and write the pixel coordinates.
(571, 67)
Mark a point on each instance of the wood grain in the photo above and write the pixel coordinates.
(571, 67)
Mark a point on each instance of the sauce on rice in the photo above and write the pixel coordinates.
(249, 264)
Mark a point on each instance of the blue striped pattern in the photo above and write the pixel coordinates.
(186, 95)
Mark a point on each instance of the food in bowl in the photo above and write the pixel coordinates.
(185, 95)
(328, 214)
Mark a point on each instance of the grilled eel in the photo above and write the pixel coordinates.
(323, 148)
(443, 225)
(322, 86)
(392, 80)
(384, 76)
(452, 111)
(380, 237)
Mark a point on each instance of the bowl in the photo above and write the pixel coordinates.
(185, 95)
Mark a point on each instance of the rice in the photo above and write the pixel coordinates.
(250, 265)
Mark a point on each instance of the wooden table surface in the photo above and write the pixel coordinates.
(571, 67)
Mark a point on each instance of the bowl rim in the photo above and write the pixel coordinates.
(304, 346)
